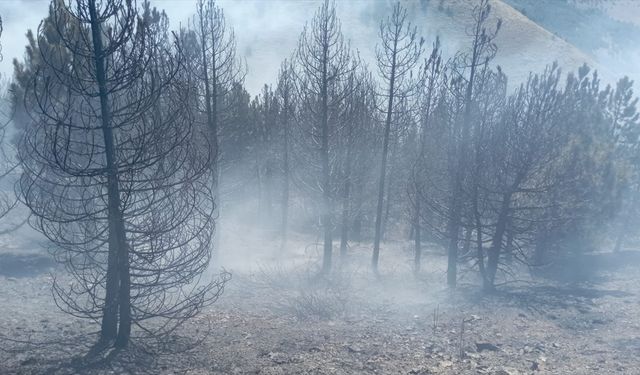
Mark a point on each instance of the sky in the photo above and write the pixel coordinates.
(626, 10)
(266, 30)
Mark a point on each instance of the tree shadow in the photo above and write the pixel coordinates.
(591, 267)
(24, 265)
(140, 357)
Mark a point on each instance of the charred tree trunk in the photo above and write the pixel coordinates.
(383, 165)
(346, 196)
(286, 178)
(496, 244)
(210, 109)
(417, 238)
(357, 220)
(466, 245)
(117, 304)
(398, 55)
(326, 188)
(508, 250)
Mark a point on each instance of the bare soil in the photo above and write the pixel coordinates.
(281, 318)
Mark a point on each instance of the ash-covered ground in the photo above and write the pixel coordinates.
(277, 316)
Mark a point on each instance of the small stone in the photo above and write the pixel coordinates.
(507, 371)
(480, 346)
(535, 366)
(278, 358)
(28, 361)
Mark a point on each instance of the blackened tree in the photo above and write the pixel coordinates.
(113, 169)
(323, 67)
(397, 56)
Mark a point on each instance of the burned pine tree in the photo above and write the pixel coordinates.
(465, 69)
(285, 93)
(323, 65)
(522, 150)
(587, 200)
(356, 139)
(8, 165)
(397, 56)
(489, 104)
(218, 70)
(430, 93)
(113, 169)
(622, 113)
(265, 111)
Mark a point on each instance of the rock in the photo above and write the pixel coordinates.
(420, 371)
(28, 361)
(354, 348)
(278, 358)
(535, 366)
(507, 371)
(481, 346)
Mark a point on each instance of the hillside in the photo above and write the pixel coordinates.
(523, 45)
(275, 27)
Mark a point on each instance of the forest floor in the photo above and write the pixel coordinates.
(278, 318)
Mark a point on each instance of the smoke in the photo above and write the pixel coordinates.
(268, 31)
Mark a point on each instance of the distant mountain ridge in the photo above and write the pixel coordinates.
(587, 25)
(523, 45)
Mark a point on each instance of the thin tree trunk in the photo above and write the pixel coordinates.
(480, 250)
(117, 284)
(326, 193)
(211, 111)
(346, 195)
(285, 187)
(357, 220)
(269, 198)
(456, 204)
(467, 240)
(387, 210)
(417, 239)
(624, 228)
(508, 250)
(383, 164)
(496, 244)
(215, 167)
(478, 225)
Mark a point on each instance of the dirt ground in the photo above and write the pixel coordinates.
(279, 318)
